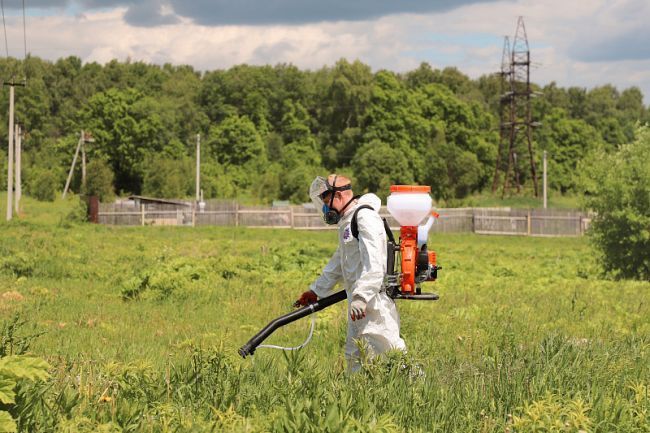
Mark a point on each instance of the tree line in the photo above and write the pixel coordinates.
(266, 131)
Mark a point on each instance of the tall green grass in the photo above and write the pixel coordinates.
(141, 327)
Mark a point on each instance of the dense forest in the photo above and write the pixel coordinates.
(266, 131)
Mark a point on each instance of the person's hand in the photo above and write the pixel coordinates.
(306, 298)
(357, 309)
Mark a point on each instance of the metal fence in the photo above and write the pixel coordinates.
(498, 221)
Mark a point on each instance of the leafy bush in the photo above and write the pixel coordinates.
(18, 264)
(295, 184)
(378, 165)
(15, 369)
(309, 416)
(270, 183)
(13, 342)
(78, 212)
(164, 278)
(99, 179)
(168, 178)
(43, 185)
(567, 142)
(617, 188)
(235, 141)
(553, 414)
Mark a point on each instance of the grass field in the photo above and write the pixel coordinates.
(141, 327)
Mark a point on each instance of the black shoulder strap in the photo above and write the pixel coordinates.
(354, 226)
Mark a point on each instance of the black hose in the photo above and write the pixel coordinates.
(251, 345)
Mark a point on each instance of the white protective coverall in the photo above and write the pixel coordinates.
(361, 266)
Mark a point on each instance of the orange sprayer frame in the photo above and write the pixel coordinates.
(409, 253)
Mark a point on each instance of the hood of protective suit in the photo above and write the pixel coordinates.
(369, 199)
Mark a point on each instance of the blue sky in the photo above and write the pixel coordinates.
(584, 42)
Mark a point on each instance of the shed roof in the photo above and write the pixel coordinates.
(159, 200)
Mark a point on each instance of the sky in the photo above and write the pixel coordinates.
(572, 42)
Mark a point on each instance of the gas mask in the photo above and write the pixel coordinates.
(322, 195)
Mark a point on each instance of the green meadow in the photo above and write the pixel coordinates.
(141, 326)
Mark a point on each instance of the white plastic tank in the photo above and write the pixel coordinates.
(409, 204)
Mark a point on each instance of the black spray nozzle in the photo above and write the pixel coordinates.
(251, 345)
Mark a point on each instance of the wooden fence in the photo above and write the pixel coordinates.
(498, 221)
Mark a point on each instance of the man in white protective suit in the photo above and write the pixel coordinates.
(360, 264)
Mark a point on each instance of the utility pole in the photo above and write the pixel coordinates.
(84, 137)
(83, 163)
(198, 167)
(544, 165)
(10, 171)
(74, 161)
(19, 192)
(87, 138)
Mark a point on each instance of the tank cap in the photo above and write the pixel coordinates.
(410, 188)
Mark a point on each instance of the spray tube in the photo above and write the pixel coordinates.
(423, 230)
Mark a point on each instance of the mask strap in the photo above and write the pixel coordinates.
(349, 201)
(333, 192)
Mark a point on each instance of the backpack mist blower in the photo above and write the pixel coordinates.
(409, 261)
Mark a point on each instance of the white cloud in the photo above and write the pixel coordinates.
(469, 37)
